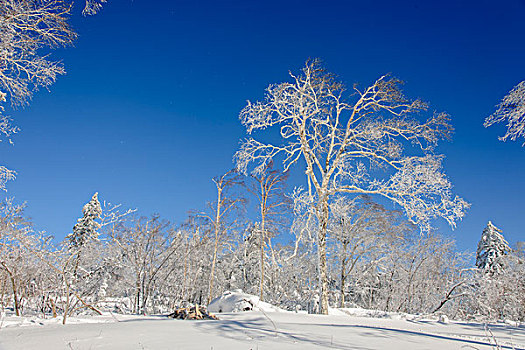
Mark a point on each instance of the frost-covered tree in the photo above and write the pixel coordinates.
(491, 248)
(511, 110)
(353, 143)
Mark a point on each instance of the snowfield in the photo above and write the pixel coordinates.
(257, 330)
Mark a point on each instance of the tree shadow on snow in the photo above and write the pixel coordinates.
(261, 329)
(389, 332)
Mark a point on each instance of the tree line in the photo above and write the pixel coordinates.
(115, 260)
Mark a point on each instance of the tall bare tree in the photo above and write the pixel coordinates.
(269, 190)
(225, 204)
(344, 143)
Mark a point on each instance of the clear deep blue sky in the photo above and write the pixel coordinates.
(148, 111)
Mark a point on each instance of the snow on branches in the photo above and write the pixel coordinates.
(511, 110)
(92, 7)
(26, 27)
(6, 175)
(343, 142)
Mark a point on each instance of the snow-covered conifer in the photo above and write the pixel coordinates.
(86, 228)
(491, 247)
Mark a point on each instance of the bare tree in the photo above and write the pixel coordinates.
(343, 145)
(269, 191)
(225, 204)
(511, 110)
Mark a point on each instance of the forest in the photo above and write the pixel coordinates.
(358, 232)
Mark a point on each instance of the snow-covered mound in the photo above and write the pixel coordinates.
(237, 301)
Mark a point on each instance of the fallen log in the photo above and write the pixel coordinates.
(192, 313)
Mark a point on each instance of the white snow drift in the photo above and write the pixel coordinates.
(237, 301)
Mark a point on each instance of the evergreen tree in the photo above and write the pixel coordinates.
(86, 228)
(491, 247)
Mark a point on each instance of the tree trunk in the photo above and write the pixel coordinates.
(213, 263)
(261, 286)
(2, 293)
(66, 306)
(53, 307)
(11, 275)
(343, 274)
(15, 296)
(323, 266)
(216, 246)
(136, 307)
(323, 275)
(144, 294)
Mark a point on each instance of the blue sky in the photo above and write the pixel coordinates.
(148, 111)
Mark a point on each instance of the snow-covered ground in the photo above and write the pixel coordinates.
(256, 330)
